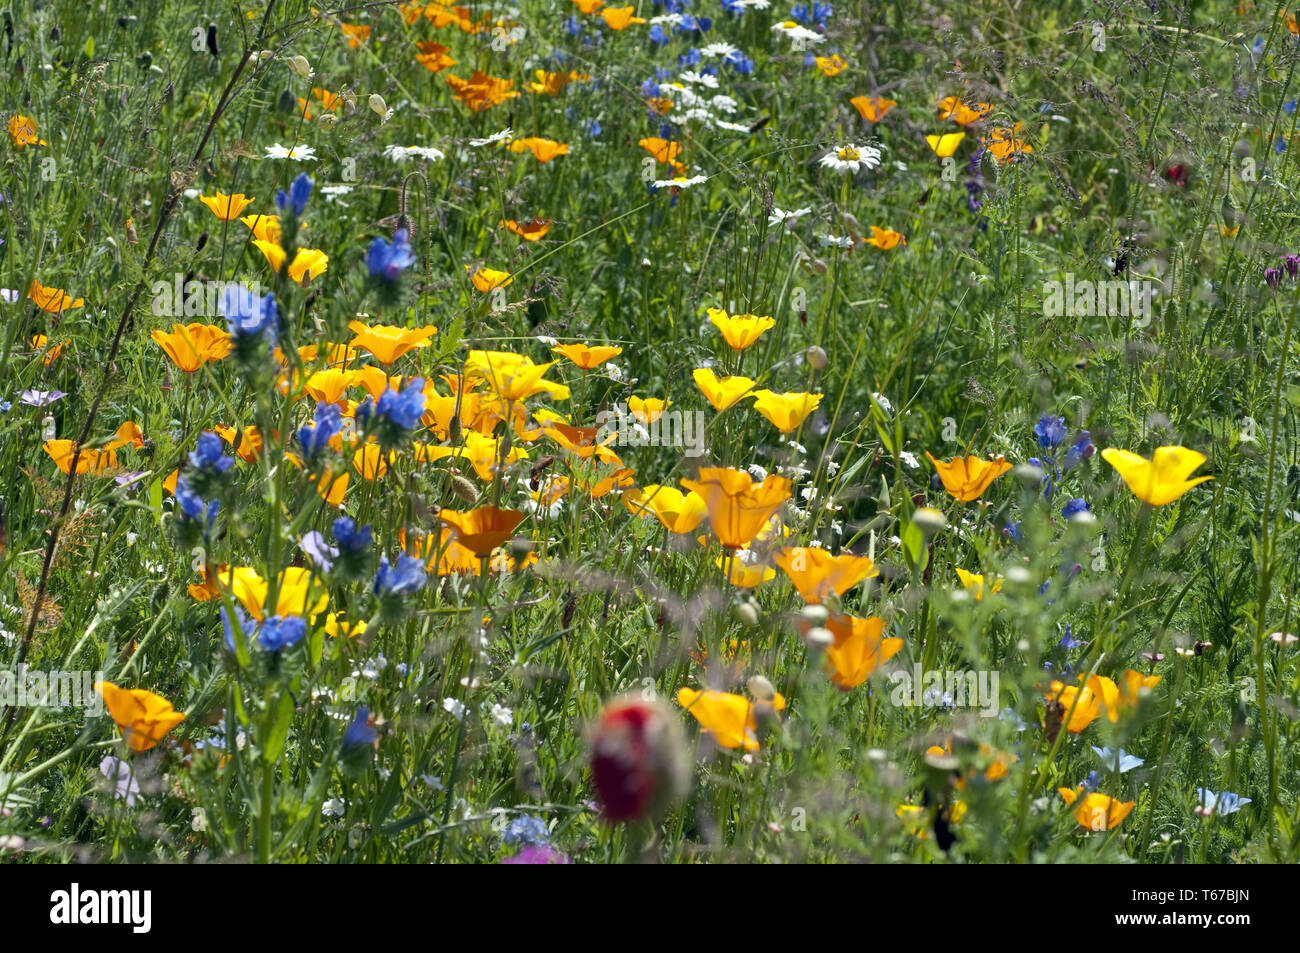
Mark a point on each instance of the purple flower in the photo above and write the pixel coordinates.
(193, 507)
(1075, 506)
(315, 437)
(349, 537)
(1068, 641)
(208, 454)
(1081, 450)
(1050, 431)
(1272, 277)
(537, 854)
(248, 314)
(39, 398)
(1292, 265)
(318, 551)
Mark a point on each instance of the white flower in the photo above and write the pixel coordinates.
(909, 458)
(723, 104)
(796, 32)
(700, 79)
(297, 153)
(333, 193)
(672, 19)
(191, 193)
(733, 126)
(547, 340)
(334, 807)
(453, 707)
(839, 241)
(797, 447)
(851, 158)
(124, 782)
(495, 137)
(757, 472)
(884, 403)
(782, 217)
(402, 153)
(681, 182)
(502, 715)
(718, 49)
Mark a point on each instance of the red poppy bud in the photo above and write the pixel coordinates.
(638, 759)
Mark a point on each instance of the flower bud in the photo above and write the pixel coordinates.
(301, 66)
(815, 615)
(819, 637)
(638, 759)
(816, 357)
(929, 520)
(747, 613)
(377, 105)
(761, 689)
(1030, 476)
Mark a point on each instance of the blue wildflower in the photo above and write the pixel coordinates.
(1050, 431)
(280, 632)
(248, 314)
(1068, 641)
(299, 193)
(315, 437)
(193, 507)
(208, 454)
(1117, 759)
(527, 829)
(1074, 507)
(403, 408)
(318, 551)
(406, 577)
(389, 261)
(349, 537)
(1223, 803)
(244, 622)
(360, 732)
(1081, 450)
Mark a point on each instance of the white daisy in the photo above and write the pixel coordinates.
(718, 49)
(297, 153)
(797, 33)
(851, 158)
(495, 137)
(681, 182)
(733, 126)
(402, 153)
(782, 217)
(700, 79)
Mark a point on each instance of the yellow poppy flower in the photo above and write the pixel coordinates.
(974, 583)
(22, 130)
(951, 107)
(300, 593)
(679, 512)
(1096, 812)
(227, 207)
(872, 110)
(858, 650)
(485, 279)
(785, 411)
(530, 231)
(885, 238)
(740, 330)
(732, 720)
(619, 18)
(722, 392)
(648, 409)
(587, 357)
(945, 145)
(483, 529)
(190, 346)
(52, 300)
(388, 342)
(1163, 478)
(544, 150)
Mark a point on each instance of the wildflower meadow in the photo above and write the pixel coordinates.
(692, 431)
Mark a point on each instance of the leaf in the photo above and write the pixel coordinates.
(279, 734)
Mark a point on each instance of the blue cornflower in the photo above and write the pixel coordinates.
(1050, 431)
(315, 437)
(1091, 782)
(573, 26)
(1075, 506)
(1012, 531)
(280, 632)
(405, 577)
(404, 407)
(690, 58)
(527, 829)
(349, 537)
(1117, 759)
(389, 261)
(299, 193)
(592, 128)
(657, 35)
(360, 732)
(248, 314)
(1223, 803)
(1289, 107)
(208, 454)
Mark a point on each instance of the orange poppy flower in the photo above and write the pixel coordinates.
(967, 479)
(143, 717)
(530, 231)
(816, 573)
(738, 507)
(619, 18)
(587, 357)
(858, 650)
(731, 719)
(872, 110)
(190, 346)
(227, 207)
(544, 150)
(483, 529)
(388, 342)
(52, 300)
(433, 56)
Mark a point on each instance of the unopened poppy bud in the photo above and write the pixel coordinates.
(377, 105)
(816, 357)
(747, 613)
(761, 689)
(929, 520)
(327, 120)
(1030, 476)
(301, 66)
(463, 488)
(819, 637)
(815, 615)
(818, 265)
(261, 56)
(638, 759)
